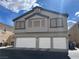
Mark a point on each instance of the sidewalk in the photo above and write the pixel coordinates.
(74, 54)
(5, 47)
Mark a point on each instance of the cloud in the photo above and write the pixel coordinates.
(17, 5)
(71, 23)
(77, 14)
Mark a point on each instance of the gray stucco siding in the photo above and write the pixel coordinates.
(47, 28)
(41, 34)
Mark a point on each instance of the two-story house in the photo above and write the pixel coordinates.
(41, 28)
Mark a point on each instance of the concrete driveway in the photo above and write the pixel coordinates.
(74, 54)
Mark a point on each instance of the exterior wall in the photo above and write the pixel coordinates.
(41, 34)
(1, 27)
(74, 34)
(1, 37)
(9, 28)
(53, 15)
(6, 32)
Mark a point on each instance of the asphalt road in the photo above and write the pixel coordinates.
(14, 53)
(73, 54)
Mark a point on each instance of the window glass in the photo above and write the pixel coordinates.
(59, 22)
(56, 22)
(36, 23)
(20, 24)
(43, 23)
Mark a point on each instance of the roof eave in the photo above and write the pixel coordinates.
(64, 14)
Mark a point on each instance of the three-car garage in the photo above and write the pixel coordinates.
(41, 42)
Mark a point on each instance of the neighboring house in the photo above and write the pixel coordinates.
(6, 34)
(6, 27)
(74, 34)
(41, 28)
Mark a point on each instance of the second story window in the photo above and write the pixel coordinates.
(20, 25)
(56, 22)
(36, 23)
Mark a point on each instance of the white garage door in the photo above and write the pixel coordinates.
(26, 42)
(44, 43)
(59, 43)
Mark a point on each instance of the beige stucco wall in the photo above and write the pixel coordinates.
(7, 36)
(74, 34)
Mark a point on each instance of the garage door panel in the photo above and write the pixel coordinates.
(59, 43)
(44, 43)
(26, 42)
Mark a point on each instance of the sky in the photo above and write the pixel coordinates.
(10, 9)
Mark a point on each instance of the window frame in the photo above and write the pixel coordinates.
(56, 22)
(20, 26)
(35, 19)
(61, 22)
(50, 22)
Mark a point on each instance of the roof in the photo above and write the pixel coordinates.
(36, 14)
(64, 14)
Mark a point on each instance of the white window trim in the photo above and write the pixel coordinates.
(35, 19)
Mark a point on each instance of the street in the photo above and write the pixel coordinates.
(73, 54)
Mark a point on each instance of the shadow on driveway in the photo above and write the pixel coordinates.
(11, 53)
